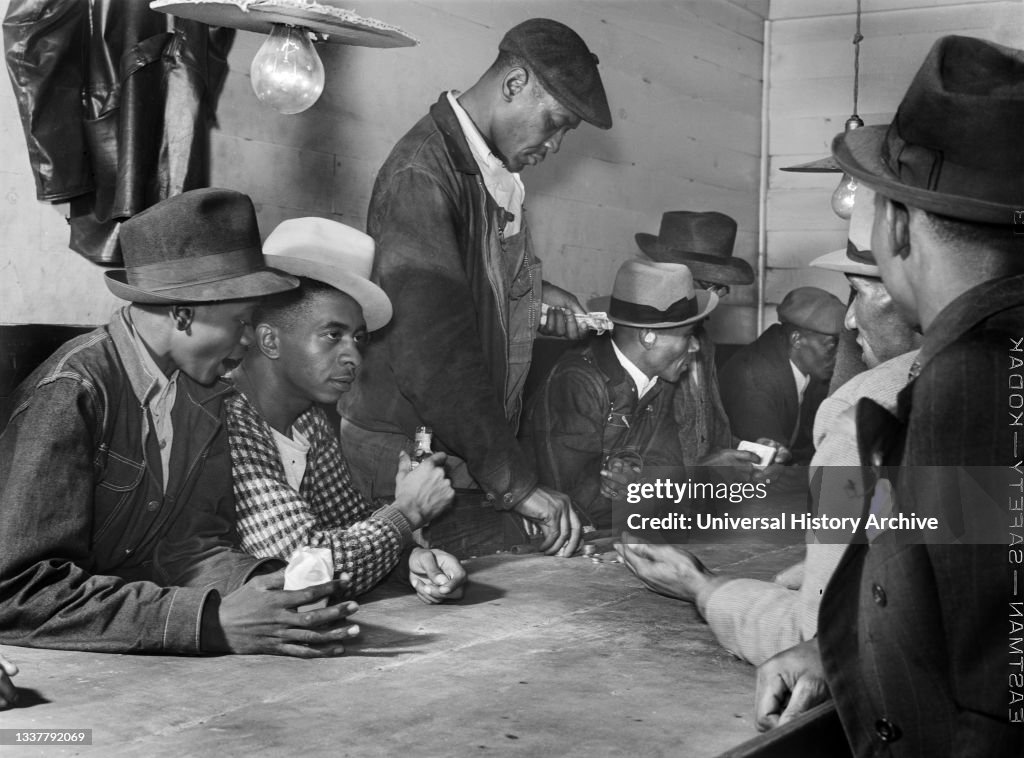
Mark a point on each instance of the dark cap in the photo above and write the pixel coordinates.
(564, 64)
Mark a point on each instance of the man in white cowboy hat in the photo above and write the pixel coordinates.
(756, 619)
(454, 253)
(116, 511)
(292, 485)
(603, 413)
(704, 242)
(772, 387)
(912, 641)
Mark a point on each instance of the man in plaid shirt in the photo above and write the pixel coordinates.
(292, 485)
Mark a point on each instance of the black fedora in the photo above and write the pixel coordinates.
(702, 241)
(955, 147)
(197, 247)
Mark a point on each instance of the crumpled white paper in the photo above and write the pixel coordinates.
(309, 566)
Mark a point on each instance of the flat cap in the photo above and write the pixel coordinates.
(564, 64)
(813, 308)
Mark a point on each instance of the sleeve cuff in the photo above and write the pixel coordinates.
(391, 515)
(183, 624)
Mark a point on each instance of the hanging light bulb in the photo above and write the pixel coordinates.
(842, 198)
(287, 73)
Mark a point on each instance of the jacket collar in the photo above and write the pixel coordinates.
(143, 383)
(967, 311)
(455, 141)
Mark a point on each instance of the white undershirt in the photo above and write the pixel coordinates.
(505, 187)
(640, 379)
(293, 451)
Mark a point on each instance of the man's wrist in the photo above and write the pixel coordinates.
(211, 634)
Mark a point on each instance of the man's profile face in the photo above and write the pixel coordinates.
(531, 125)
(672, 352)
(815, 353)
(320, 352)
(882, 333)
(216, 340)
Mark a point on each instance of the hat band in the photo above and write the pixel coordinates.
(859, 256)
(921, 167)
(165, 275)
(680, 310)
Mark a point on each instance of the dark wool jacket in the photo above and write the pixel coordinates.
(759, 394)
(586, 410)
(914, 636)
(95, 554)
(443, 360)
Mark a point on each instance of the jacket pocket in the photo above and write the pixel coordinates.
(119, 478)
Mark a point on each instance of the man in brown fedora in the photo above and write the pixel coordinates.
(116, 515)
(454, 254)
(704, 242)
(603, 414)
(291, 479)
(772, 387)
(912, 641)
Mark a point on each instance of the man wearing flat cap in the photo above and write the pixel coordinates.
(454, 255)
(116, 514)
(604, 412)
(912, 641)
(772, 388)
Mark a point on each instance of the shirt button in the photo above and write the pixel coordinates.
(489, 497)
(507, 498)
(128, 551)
(887, 731)
(878, 595)
(163, 444)
(152, 505)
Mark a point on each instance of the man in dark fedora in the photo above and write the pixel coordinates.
(704, 242)
(912, 641)
(603, 414)
(116, 514)
(291, 480)
(772, 387)
(454, 254)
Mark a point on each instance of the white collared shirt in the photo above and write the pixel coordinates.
(293, 451)
(505, 187)
(160, 403)
(801, 382)
(640, 379)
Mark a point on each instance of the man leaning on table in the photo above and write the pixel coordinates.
(117, 528)
(454, 255)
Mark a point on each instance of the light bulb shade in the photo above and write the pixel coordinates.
(287, 73)
(842, 198)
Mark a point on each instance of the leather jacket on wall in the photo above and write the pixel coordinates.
(114, 107)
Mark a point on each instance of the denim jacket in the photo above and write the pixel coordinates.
(444, 360)
(95, 554)
(587, 410)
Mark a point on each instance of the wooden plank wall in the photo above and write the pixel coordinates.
(810, 96)
(684, 80)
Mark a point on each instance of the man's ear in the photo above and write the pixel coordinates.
(514, 82)
(268, 340)
(648, 338)
(896, 225)
(183, 316)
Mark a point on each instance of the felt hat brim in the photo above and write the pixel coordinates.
(708, 268)
(859, 153)
(245, 287)
(838, 260)
(341, 26)
(706, 302)
(376, 305)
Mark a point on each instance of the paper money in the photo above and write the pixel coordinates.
(596, 321)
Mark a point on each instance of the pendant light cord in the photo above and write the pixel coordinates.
(857, 38)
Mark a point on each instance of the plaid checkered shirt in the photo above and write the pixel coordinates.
(327, 511)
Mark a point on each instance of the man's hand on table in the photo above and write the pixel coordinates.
(789, 684)
(561, 321)
(261, 617)
(666, 569)
(436, 575)
(552, 513)
(8, 692)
